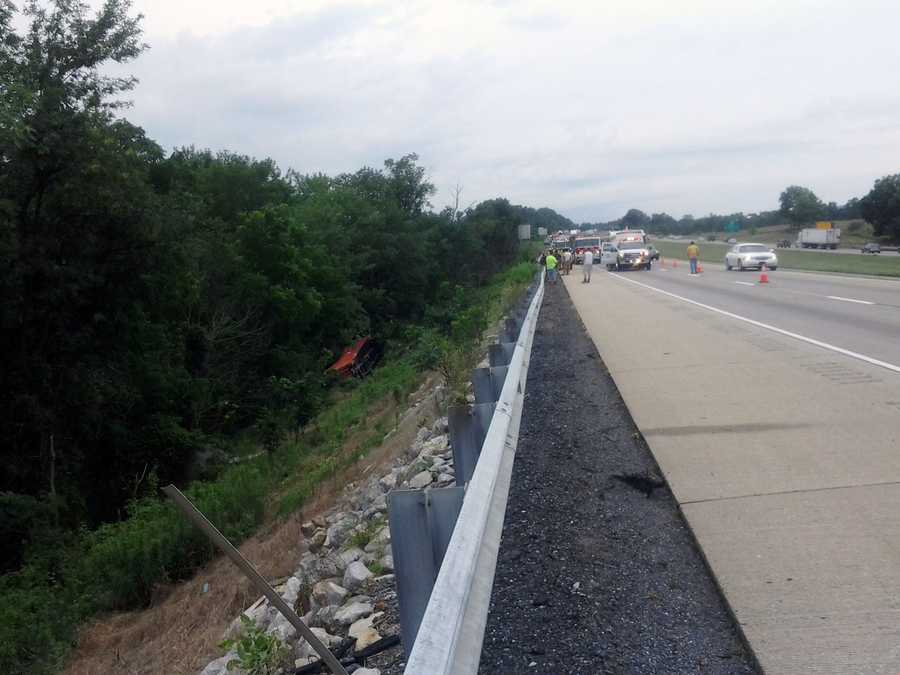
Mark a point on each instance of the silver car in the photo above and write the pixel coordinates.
(743, 256)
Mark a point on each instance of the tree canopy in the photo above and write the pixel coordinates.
(801, 206)
(158, 306)
(881, 206)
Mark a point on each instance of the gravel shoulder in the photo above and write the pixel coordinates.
(593, 575)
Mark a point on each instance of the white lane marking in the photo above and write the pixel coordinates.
(859, 302)
(745, 283)
(774, 329)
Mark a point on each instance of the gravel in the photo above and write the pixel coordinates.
(594, 576)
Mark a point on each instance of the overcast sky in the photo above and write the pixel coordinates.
(686, 106)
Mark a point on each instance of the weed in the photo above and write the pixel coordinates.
(258, 653)
(361, 538)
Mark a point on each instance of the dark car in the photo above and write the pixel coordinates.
(871, 247)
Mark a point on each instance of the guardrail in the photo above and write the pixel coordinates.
(445, 541)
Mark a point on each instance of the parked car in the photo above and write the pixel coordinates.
(732, 241)
(784, 243)
(744, 256)
(871, 247)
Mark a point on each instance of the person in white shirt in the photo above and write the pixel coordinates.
(586, 266)
(567, 262)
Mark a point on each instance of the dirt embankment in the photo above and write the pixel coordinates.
(180, 633)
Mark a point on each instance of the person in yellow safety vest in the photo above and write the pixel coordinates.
(693, 252)
(551, 263)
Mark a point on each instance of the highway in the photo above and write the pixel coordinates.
(856, 313)
(774, 412)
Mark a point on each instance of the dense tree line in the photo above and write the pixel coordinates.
(543, 217)
(798, 206)
(157, 305)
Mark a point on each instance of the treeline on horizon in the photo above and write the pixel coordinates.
(158, 307)
(799, 207)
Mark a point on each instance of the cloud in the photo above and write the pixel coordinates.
(589, 108)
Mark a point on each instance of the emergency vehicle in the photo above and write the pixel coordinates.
(627, 250)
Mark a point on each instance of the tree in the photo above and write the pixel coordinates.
(881, 206)
(800, 205)
(662, 223)
(78, 242)
(635, 218)
(408, 184)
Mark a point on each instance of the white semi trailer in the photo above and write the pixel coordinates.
(813, 237)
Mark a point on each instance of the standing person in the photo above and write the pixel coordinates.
(567, 262)
(587, 265)
(693, 252)
(551, 264)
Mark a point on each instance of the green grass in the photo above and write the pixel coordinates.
(316, 457)
(815, 261)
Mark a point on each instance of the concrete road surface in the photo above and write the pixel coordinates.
(774, 412)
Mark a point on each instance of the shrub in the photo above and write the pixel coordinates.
(258, 653)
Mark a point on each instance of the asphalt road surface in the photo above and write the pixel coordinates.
(773, 411)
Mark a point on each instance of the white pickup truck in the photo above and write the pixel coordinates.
(626, 254)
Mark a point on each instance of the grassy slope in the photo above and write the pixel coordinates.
(817, 261)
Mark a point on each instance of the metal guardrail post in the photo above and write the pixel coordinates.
(500, 354)
(210, 530)
(452, 630)
(510, 332)
(421, 523)
(468, 428)
(487, 383)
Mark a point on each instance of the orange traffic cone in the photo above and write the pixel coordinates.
(662, 262)
(699, 268)
(763, 274)
(674, 263)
